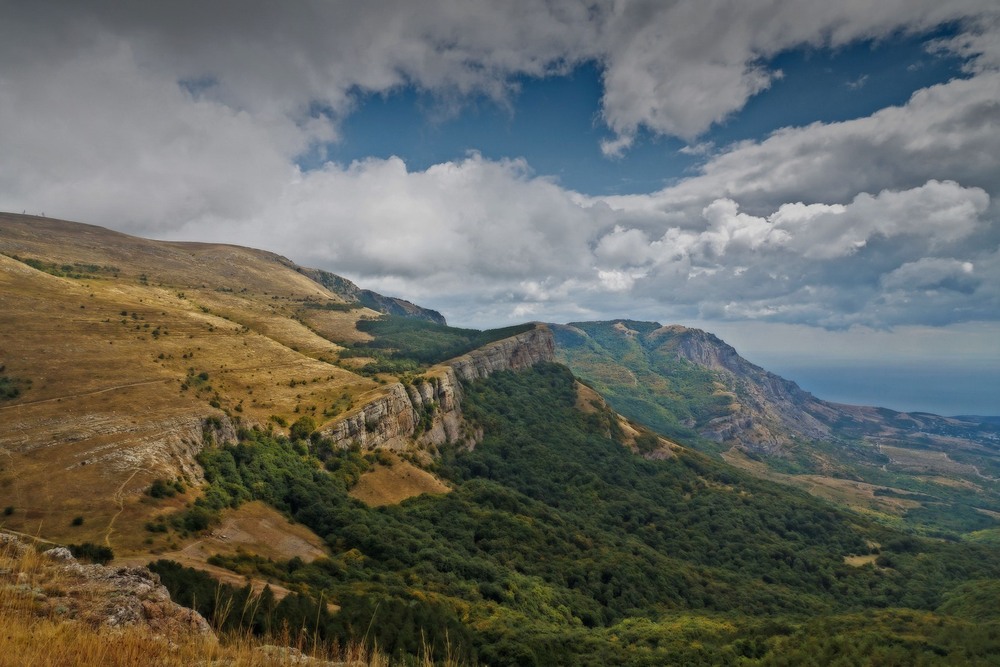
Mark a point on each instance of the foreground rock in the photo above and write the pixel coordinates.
(54, 584)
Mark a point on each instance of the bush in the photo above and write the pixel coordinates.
(94, 553)
(197, 519)
(302, 428)
(162, 489)
(77, 521)
(9, 388)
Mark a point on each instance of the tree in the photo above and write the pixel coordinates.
(302, 428)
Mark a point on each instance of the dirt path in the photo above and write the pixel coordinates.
(981, 475)
(118, 499)
(86, 393)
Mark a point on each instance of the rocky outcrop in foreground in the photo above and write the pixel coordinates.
(429, 410)
(55, 585)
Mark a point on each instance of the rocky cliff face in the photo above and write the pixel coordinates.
(429, 411)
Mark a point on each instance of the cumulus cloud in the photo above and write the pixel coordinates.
(818, 263)
(97, 138)
(947, 131)
(677, 68)
(185, 120)
(673, 68)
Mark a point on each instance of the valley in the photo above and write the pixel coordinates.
(271, 437)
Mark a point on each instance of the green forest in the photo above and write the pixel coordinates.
(558, 546)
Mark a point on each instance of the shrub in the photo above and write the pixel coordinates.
(162, 489)
(94, 553)
(77, 521)
(197, 518)
(302, 428)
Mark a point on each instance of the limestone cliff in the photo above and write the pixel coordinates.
(429, 410)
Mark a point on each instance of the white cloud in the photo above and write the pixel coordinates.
(96, 138)
(677, 68)
(672, 68)
(817, 263)
(869, 221)
(859, 83)
(932, 274)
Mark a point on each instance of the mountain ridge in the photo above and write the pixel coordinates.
(120, 357)
(565, 535)
(694, 386)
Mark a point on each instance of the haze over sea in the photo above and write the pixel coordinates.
(953, 388)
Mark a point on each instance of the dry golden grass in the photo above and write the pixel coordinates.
(335, 325)
(922, 460)
(112, 357)
(251, 528)
(32, 635)
(949, 482)
(588, 401)
(389, 485)
(860, 561)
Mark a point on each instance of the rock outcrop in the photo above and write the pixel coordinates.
(57, 585)
(429, 410)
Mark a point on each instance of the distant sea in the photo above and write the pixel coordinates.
(943, 389)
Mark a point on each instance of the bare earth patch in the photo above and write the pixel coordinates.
(860, 561)
(859, 495)
(389, 485)
(253, 528)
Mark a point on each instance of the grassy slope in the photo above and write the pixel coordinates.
(114, 350)
(111, 332)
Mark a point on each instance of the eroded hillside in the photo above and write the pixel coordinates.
(121, 356)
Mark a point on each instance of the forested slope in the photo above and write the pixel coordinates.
(560, 546)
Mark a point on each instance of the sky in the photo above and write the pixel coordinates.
(815, 182)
